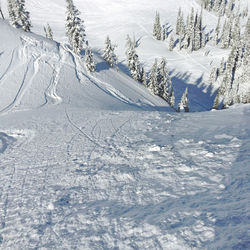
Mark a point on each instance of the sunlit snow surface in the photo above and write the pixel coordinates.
(73, 178)
(97, 162)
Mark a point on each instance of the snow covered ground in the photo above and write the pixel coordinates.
(94, 161)
(124, 179)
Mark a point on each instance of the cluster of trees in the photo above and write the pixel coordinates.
(191, 35)
(230, 35)
(159, 82)
(19, 16)
(234, 74)
(219, 6)
(224, 7)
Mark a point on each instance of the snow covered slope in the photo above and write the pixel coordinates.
(93, 161)
(36, 71)
(119, 18)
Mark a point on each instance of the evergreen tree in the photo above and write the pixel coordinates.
(222, 8)
(157, 27)
(183, 105)
(172, 99)
(190, 31)
(201, 33)
(231, 80)
(11, 4)
(210, 5)
(247, 30)
(133, 60)
(226, 34)
(164, 32)
(180, 42)
(134, 66)
(217, 31)
(222, 66)
(23, 16)
(230, 7)
(109, 55)
(163, 77)
(236, 37)
(153, 81)
(130, 45)
(182, 25)
(89, 60)
(213, 75)
(217, 100)
(198, 32)
(19, 17)
(144, 78)
(48, 32)
(74, 28)
(178, 22)
(165, 83)
(171, 43)
(216, 6)
(245, 12)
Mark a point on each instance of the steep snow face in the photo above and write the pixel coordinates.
(36, 71)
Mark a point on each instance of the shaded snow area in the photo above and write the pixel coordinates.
(95, 161)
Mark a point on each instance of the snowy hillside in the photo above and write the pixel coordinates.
(36, 71)
(95, 161)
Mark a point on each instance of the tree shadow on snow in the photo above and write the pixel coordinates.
(200, 95)
(102, 66)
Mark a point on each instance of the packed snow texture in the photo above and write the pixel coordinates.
(94, 161)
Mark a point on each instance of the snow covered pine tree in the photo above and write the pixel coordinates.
(19, 17)
(157, 27)
(133, 61)
(183, 105)
(74, 28)
(89, 60)
(48, 32)
(109, 54)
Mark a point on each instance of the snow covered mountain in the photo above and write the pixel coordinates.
(95, 161)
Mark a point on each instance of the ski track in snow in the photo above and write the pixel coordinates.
(115, 189)
(9, 65)
(19, 92)
(50, 92)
